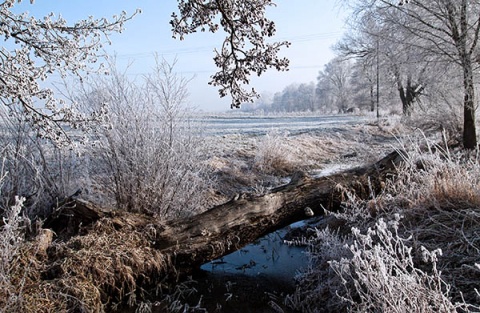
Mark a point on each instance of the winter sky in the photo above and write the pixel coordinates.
(312, 26)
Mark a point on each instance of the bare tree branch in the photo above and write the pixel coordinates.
(245, 50)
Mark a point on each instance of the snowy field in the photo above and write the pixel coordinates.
(251, 125)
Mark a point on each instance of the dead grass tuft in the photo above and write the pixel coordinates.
(273, 155)
(440, 178)
(115, 260)
(85, 274)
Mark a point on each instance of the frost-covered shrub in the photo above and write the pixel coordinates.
(435, 176)
(438, 191)
(11, 238)
(38, 169)
(374, 271)
(381, 275)
(148, 155)
(318, 283)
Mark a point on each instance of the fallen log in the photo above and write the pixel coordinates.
(193, 241)
(228, 227)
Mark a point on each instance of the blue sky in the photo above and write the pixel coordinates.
(312, 26)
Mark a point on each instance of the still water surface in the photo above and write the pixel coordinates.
(254, 278)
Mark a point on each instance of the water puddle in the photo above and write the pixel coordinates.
(254, 279)
(267, 256)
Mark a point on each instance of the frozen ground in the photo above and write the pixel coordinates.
(255, 161)
(260, 125)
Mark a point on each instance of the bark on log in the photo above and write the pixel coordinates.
(190, 242)
(70, 215)
(230, 226)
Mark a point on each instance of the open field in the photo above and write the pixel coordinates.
(263, 157)
(261, 125)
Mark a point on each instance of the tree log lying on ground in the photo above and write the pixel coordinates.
(176, 247)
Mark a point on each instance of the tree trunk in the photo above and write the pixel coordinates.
(460, 33)
(403, 98)
(402, 93)
(408, 95)
(372, 99)
(469, 128)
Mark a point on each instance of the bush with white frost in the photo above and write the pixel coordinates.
(381, 275)
(38, 170)
(148, 154)
(11, 238)
(376, 271)
(318, 284)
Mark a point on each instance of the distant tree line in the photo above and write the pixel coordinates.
(420, 56)
(343, 86)
(406, 81)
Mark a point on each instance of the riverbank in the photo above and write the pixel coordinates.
(124, 258)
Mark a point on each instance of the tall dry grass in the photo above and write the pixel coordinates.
(273, 155)
(412, 248)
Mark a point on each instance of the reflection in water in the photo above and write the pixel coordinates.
(253, 279)
(267, 256)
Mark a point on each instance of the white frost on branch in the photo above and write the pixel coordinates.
(36, 48)
(245, 50)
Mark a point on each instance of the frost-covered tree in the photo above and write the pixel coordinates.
(363, 83)
(286, 100)
(375, 40)
(334, 83)
(245, 50)
(447, 30)
(34, 48)
(294, 98)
